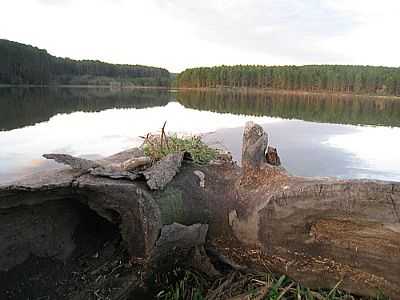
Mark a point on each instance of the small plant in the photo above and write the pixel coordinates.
(185, 285)
(157, 147)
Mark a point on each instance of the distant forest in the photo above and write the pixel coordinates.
(332, 78)
(24, 64)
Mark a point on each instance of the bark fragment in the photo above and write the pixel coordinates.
(273, 157)
(135, 163)
(163, 171)
(73, 162)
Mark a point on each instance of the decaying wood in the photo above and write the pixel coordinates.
(32, 206)
(114, 173)
(103, 169)
(182, 246)
(73, 162)
(157, 176)
(163, 171)
(316, 231)
(135, 163)
(272, 156)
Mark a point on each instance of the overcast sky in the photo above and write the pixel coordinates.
(177, 34)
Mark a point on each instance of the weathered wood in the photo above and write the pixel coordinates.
(163, 171)
(317, 231)
(72, 161)
(255, 141)
(105, 168)
(114, 172)
(134, 163)
(272, 156)
(182, 246)
(126, 204)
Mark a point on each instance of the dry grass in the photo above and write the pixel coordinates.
(189, 285)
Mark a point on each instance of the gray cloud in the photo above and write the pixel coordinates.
(287, 28)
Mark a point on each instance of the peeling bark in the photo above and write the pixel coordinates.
(159, 175)
(73, 162)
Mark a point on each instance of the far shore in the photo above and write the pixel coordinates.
(288, 92)
(92, 86)
(218, 89)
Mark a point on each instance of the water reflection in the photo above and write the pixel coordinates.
(314, 149)
(21, 107)
(308, 107)
(99, 122)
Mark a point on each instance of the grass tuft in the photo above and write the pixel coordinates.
(158, 147)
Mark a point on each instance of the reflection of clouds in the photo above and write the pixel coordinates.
(106, 132)
(378, 148)
(361, 151)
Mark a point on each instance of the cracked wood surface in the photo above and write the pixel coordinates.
(316, 230)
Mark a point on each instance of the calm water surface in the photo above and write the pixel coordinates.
(315, 135)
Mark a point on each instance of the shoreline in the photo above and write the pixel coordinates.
(90, 86)
(225, 89)
(289, 92)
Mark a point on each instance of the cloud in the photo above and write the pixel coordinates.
(177, 34)
(65, 2)
(53, 2)
(288, 28)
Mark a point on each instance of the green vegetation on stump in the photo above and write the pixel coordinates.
(159, 147)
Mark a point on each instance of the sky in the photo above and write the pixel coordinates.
(177, 34)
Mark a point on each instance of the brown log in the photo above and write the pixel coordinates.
(317, 231)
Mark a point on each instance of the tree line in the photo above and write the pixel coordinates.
(332, 78)
(24, 64)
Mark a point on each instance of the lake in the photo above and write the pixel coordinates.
(316, 135)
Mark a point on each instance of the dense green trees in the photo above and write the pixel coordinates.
(23, 64)
(332, 78)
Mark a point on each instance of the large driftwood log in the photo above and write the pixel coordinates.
(318, 231)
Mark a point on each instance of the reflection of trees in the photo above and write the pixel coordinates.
(310, 107)
(21, 107)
